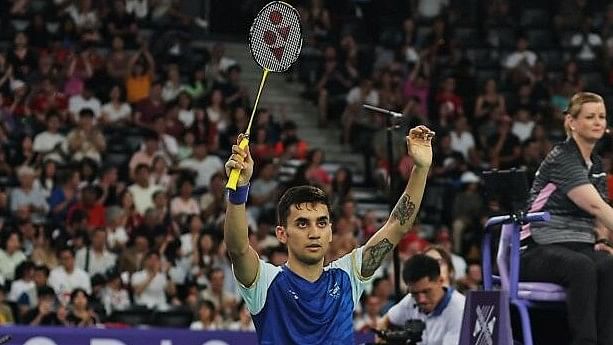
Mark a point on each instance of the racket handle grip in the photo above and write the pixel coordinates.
(235, 173)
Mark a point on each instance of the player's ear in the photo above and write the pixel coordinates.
(281, 233)
(330, 233)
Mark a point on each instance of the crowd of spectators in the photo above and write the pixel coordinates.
(114, 128)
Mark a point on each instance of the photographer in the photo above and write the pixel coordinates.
(438, 307)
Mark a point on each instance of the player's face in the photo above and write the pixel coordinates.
(427, 293)
(308, 232)
(591, 122)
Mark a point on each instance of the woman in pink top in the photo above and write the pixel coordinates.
(184, 203)
(315, 172)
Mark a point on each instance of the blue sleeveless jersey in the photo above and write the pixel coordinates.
(288, 309)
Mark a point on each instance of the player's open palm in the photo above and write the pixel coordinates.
(419, 144)
(241, 160)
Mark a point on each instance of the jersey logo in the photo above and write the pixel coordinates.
(293, 293)
(335, 291)
(599, 175)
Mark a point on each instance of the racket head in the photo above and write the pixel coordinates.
(275, 37)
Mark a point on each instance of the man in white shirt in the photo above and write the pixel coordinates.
(151, 285)
(522, 57)
(85, 99)
(364, 93)
(67, 277)
(204, 164)
(142, 191)
(96, 258)
(48, 140)
(440, 308)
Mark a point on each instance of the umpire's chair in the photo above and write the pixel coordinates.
(510, 188)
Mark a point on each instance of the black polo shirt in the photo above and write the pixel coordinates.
(562, 170)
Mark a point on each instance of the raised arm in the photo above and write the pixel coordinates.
(244, 258)
(419, 143)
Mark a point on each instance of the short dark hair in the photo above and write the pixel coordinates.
(42, 268)
(420, 266)
(300, 195)
(86, 112)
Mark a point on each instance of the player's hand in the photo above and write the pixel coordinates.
(241, 160)
(419, 145)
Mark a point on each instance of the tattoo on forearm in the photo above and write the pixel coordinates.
(373, 256)
(404, 209)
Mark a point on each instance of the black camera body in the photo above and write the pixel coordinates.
(409, 335)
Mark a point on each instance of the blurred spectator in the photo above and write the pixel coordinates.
(86, 19)
(43, 252)
(86, 141)
(132, 257)
(523, 125)
(149, 151)
(122, 24)
(116, 111)
(426, 9)
(46, 313)
(95, 258)
(114, 295)
(150, 285)
(21, 58)
(243, 323)
(11, 254)
(447, 98)
(522, 57)
(382, 289)
(85, 100)
(473, 279)
(197, 87)
(489, 102)
(142, 190)
(64, 195)
(92, 208)
(65, 278)
(118, 61)
(117, 236)
(223, 300)
(81, 314)
(448, 272)
(139, 82)
(23, 284)
(219, 64)
(48, 100)
(160, 174)
(467, 209)
(290, 146)
(184, 203)
(213, 203)
(234, 92)
(364, 93)
(263, 191)
(504, 149)
(79, 70)
(208, 317)
(203, 163)
(138, 8)
(50, 140)
(333, 84)
(6, 314)
(462, 139)
(371, 315)
(172, 86)
(26, 200)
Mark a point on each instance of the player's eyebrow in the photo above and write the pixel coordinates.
(322, 218)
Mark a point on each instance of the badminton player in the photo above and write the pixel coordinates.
(304, 302)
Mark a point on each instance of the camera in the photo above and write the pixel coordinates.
(409, 335)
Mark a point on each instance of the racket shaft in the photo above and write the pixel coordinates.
(235, 173)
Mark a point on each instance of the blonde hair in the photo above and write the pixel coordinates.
(574, 107)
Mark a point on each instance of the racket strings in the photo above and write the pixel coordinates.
(275, 38)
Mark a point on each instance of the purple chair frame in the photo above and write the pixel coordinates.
(523, 295)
